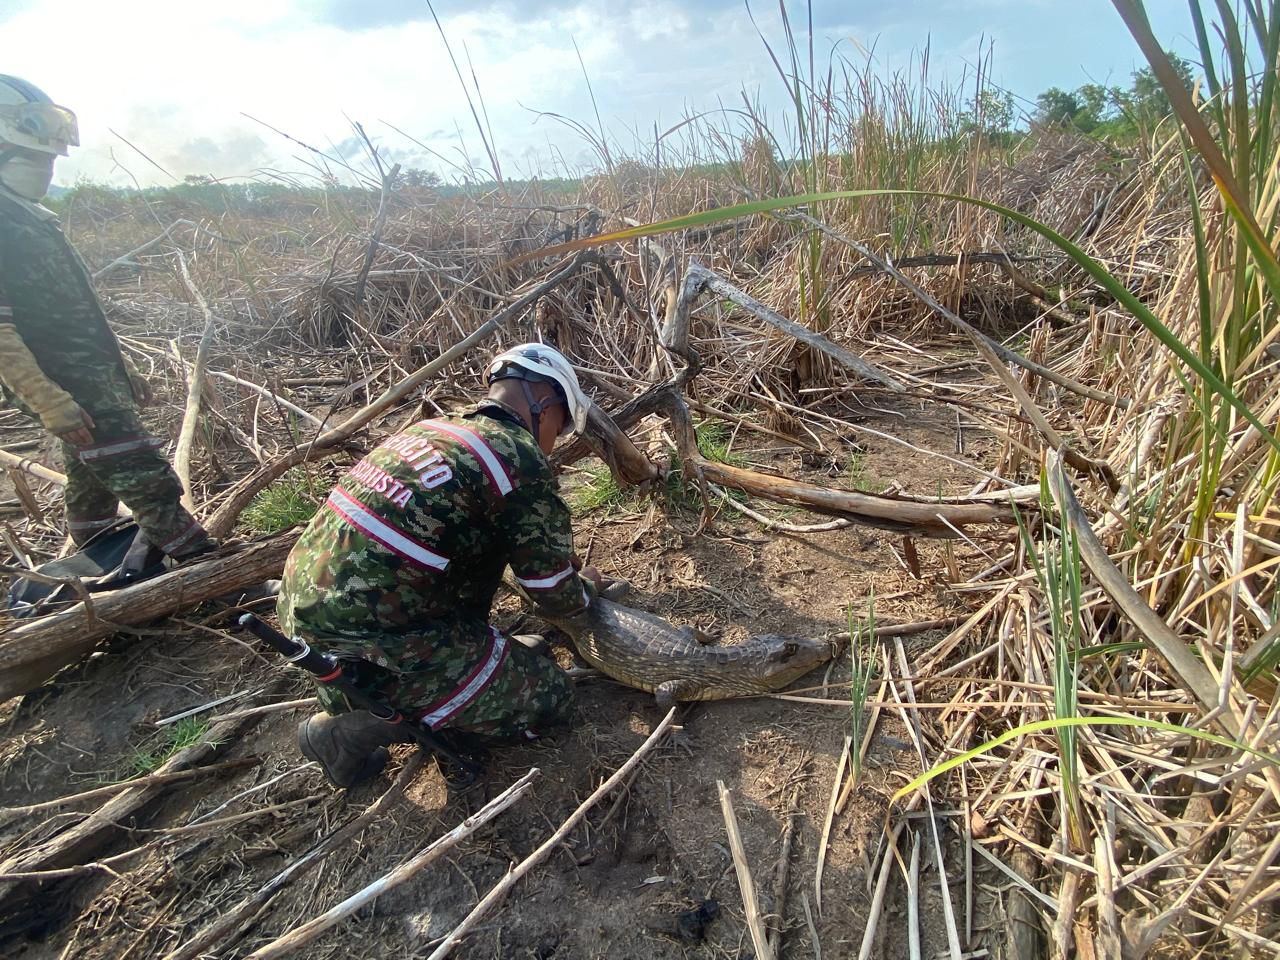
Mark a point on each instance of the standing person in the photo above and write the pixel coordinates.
(396, 573)
(60, 361)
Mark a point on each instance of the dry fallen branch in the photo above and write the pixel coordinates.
(233, 922)
(722, 287)
(746, 885)
(500, 890)
(309, 931)
(779, 928)
(150, 780)
(907, 515)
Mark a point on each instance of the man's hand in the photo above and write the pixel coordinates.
(141, 386)
(592, 574)
(69, 422)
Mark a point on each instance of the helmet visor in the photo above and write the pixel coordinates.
(40, 124)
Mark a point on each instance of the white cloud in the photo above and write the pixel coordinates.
(174, 78)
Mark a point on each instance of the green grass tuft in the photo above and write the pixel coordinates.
(599, 489)
(857, 476)
(862, 671)
(187, 732)
(290, 501)
(714, 442)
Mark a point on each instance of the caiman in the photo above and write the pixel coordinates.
(678, 663)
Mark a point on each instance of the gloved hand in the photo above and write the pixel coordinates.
(67, 420)
(57, 410)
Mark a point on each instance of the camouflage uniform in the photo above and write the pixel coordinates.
(47, 295)
(400, 566)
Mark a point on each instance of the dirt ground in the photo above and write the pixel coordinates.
(642, 858)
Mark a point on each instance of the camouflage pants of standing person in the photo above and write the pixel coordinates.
(462, 675)
(125, 463)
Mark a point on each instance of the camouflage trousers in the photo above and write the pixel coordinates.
(125, 463)
(461, 674)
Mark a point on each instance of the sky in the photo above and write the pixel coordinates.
(168, 88)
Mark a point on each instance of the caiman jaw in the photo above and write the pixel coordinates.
(796, 656)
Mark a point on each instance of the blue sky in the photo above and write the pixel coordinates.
(175, 79)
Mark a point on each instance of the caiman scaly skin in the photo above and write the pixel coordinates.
(644, 651)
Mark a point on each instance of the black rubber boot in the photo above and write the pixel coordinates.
(349, 748)
(142, 561)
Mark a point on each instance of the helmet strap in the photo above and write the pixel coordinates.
(535, 410)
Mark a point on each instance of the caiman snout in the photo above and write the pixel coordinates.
(793, 657)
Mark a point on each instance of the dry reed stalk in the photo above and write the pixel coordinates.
(151, 779)
(195, 390)
(232, 923)
(37, 470)
(827, 821)
(299, 937)
(500, 890)
(746, 884)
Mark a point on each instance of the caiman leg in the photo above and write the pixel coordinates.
(666, 694)
(698, 636)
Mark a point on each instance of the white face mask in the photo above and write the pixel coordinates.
(28, 176)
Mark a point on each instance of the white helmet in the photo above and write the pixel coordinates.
(536, 361)
(29, 119)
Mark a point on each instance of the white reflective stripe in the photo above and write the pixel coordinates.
(472, 686)
(546, 583)
(375, 528)
(116, 449)
(479, 447)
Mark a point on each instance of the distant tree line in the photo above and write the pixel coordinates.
(1116, 112)
(1111, 111)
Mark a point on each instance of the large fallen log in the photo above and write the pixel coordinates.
(32, 651)
(608, 442)
(912, 516)
(942, 517)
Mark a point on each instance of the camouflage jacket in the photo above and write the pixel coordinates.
(421, 529)
(47, 294)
